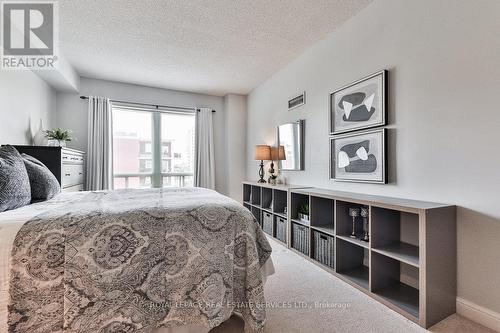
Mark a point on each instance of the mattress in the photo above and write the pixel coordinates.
(176, 207)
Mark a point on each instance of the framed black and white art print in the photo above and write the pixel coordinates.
(359, 157)
(359, 105)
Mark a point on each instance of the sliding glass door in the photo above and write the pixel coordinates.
(152, 148)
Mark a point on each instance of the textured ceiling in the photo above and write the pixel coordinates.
(213, 47)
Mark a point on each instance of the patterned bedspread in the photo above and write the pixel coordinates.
(135, 260)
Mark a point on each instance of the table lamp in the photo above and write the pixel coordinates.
(262, 153)
(277, 154)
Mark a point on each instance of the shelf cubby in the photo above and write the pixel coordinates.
(301, 238)
(396, 282)
(323, 248)
(247, 193)
(268, 222)
(322, 214)
(255, 195)
(258, 214)
(267, 198)
(298, 200)
(297, 221)
(353, 263)
(395, 234)
(280, 202)
(355, 241)
(344, 221)
(280, 228)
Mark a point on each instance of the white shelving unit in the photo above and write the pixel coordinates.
(409, 263)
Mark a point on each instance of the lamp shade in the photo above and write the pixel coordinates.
(278, 153)
(262, 152)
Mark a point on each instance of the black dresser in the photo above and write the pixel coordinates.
(68, 165)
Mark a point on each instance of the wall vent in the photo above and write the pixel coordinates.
(297, 101)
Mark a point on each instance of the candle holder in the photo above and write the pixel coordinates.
(364, 214)
(354, 212)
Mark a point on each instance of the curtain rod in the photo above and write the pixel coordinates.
(155, 105)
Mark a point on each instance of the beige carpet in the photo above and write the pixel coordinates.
(303, 284)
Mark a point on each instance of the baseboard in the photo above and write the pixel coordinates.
(478, 314)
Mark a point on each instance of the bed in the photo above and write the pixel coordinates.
(154, 260)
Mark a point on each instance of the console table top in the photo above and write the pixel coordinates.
(375, 200)
(283, 187)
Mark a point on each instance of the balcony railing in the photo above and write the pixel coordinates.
(145, 180)
(177, 179)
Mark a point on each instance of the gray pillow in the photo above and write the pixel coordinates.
(15, 188)
(44, 184)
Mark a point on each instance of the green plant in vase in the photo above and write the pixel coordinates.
(303, 212)
(59, 136)
(272, 179)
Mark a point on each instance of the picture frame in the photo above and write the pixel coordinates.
(359, 157)
(359, 105)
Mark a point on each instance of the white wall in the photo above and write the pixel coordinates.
(444, 84)
(235, 112)
(72, 112)
(24, 100)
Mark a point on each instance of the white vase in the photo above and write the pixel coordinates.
(39, 139)
(56, 143)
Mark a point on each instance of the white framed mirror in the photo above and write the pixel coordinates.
(291, 137)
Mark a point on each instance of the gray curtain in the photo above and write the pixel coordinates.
(99, 148)
(204, 170)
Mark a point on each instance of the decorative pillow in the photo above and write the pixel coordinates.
(44, 184)
(15, 188)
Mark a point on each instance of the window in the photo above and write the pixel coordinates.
(136, 161)
(166, 148)
(177, 141)
(145, 147)
(146, 165)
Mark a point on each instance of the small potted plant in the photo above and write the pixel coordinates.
(58, 137)
(303, 213)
